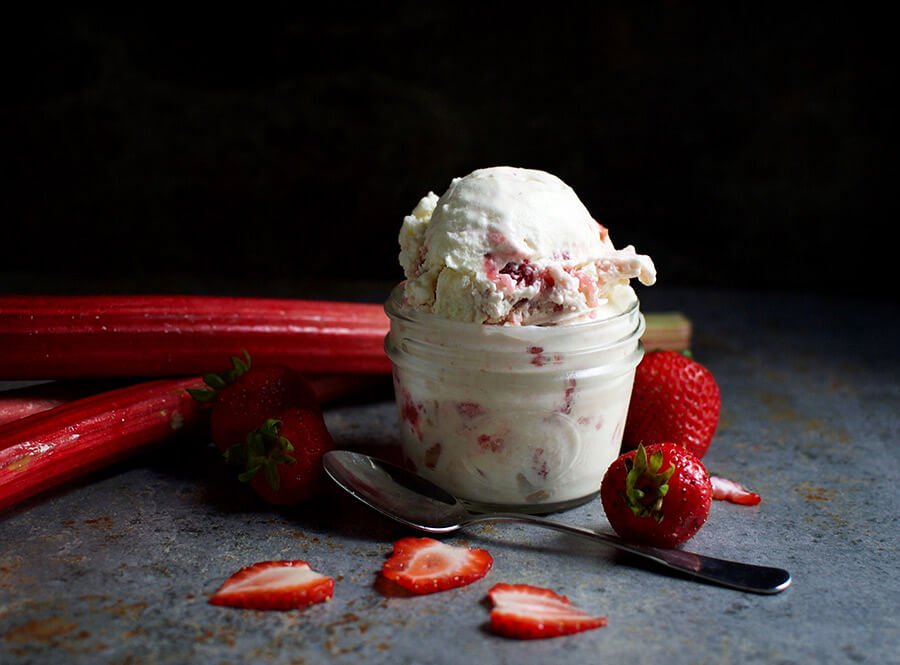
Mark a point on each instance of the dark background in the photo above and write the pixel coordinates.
(258, 150)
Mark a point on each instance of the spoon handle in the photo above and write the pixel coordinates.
(734, 574)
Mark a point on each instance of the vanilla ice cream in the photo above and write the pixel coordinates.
(514, 340)
(508, 245)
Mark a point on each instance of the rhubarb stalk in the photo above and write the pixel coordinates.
(28, 400)
(44, 450)
(56, 337)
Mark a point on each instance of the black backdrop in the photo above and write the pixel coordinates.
(246, 149)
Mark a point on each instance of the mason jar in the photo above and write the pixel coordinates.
(513, 418)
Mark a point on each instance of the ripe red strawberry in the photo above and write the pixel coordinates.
(426, 565)
(274, 585)
(676, 399)
(527, 612)
(728, 490)
(659, 495)
(244, 397)
(282, 460)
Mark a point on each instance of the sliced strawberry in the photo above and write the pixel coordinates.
(528, 612)
(274, 585)
(426, 565)
(729, 490)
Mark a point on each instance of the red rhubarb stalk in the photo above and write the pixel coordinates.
(23, 401)
(28, 400)
(57, 337)
(44, 450)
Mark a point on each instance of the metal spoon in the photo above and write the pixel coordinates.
(416, 502)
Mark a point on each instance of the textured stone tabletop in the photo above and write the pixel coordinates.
(117, 568)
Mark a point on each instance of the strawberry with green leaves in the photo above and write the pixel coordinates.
(282, 459)
(658, 495)
(267, 423)
(675, 398)
(245, 396)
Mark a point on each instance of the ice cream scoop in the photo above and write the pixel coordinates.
(516, 246)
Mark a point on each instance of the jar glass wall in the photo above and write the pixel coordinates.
(517, 418)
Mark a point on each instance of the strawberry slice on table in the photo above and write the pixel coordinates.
(426, 565)
(274, 585)
(724, 489)
(528, 612)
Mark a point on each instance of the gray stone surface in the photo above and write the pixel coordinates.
(117, 568)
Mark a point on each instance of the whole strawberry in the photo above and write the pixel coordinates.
(267, 423)
(659, 495)
(675, 398)
(244, 397)
(282, 459)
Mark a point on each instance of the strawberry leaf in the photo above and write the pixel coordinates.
(645, 486)
(202, 395)
(241, 365)
(217, 382)
(272, 477)
(264, 449)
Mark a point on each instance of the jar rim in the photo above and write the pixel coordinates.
(602, 345)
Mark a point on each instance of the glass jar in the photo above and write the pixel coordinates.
(513, 418)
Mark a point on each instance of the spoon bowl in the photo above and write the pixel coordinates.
(395, 492)
(416, 502)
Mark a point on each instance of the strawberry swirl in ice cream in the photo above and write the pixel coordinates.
(515, 246)
(514, 340)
